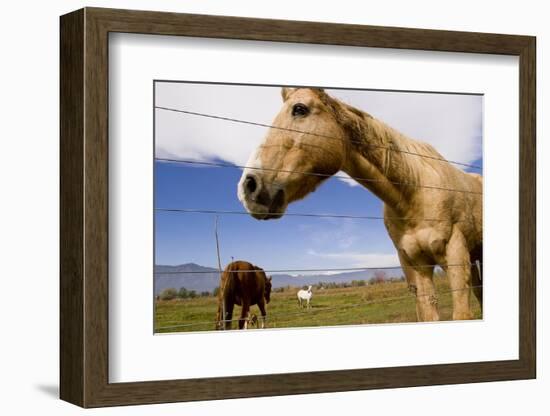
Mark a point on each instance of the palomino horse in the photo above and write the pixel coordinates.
(315, 136)
(245, 285)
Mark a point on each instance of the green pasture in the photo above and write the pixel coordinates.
(389, 302)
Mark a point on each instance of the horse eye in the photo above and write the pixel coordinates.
(300, 110)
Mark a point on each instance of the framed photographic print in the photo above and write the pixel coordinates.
(363, 197)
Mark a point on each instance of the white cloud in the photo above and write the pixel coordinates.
(344, 177)
(340, 233)
(452, 123)
(355, 259)
(188, 136)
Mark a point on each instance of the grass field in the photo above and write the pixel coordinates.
(379, 303)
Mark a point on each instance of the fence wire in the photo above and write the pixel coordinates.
(307, 312)
(273, 318)
(322, 270)
(323, 175)
(300, 214)
(252, 123)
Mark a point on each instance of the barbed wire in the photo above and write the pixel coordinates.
(322, 270)
(298, 214)
(270, 318)
(252, 123)
(323, 175)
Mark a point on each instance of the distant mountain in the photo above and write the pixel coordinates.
(200, 278)
(190, 276)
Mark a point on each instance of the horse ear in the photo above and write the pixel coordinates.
(285, 92)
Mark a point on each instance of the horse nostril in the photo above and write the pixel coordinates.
(250, 184)
(279, 198)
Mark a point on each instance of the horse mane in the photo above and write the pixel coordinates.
(372, 137)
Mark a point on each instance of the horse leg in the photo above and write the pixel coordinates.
(229, 305)
(219, 318)
(426, 298)
(243, 321)
(476, 285)
(261, 306)
(420, 281)
(460, 276)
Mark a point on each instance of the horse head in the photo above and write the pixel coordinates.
(267, 289)
(305, 146)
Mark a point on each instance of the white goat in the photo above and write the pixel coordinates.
(305, 295)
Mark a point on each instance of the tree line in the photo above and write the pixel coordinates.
(183, 293)
(379, 277)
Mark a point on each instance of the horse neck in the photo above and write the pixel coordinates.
(373, 163)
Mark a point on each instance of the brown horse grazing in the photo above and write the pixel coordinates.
(245, 285)
(316, 135)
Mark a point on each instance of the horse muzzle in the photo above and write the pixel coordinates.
(261, 201)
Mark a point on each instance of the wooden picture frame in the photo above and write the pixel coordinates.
(84, 207)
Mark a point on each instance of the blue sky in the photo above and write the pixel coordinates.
(290, 242)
